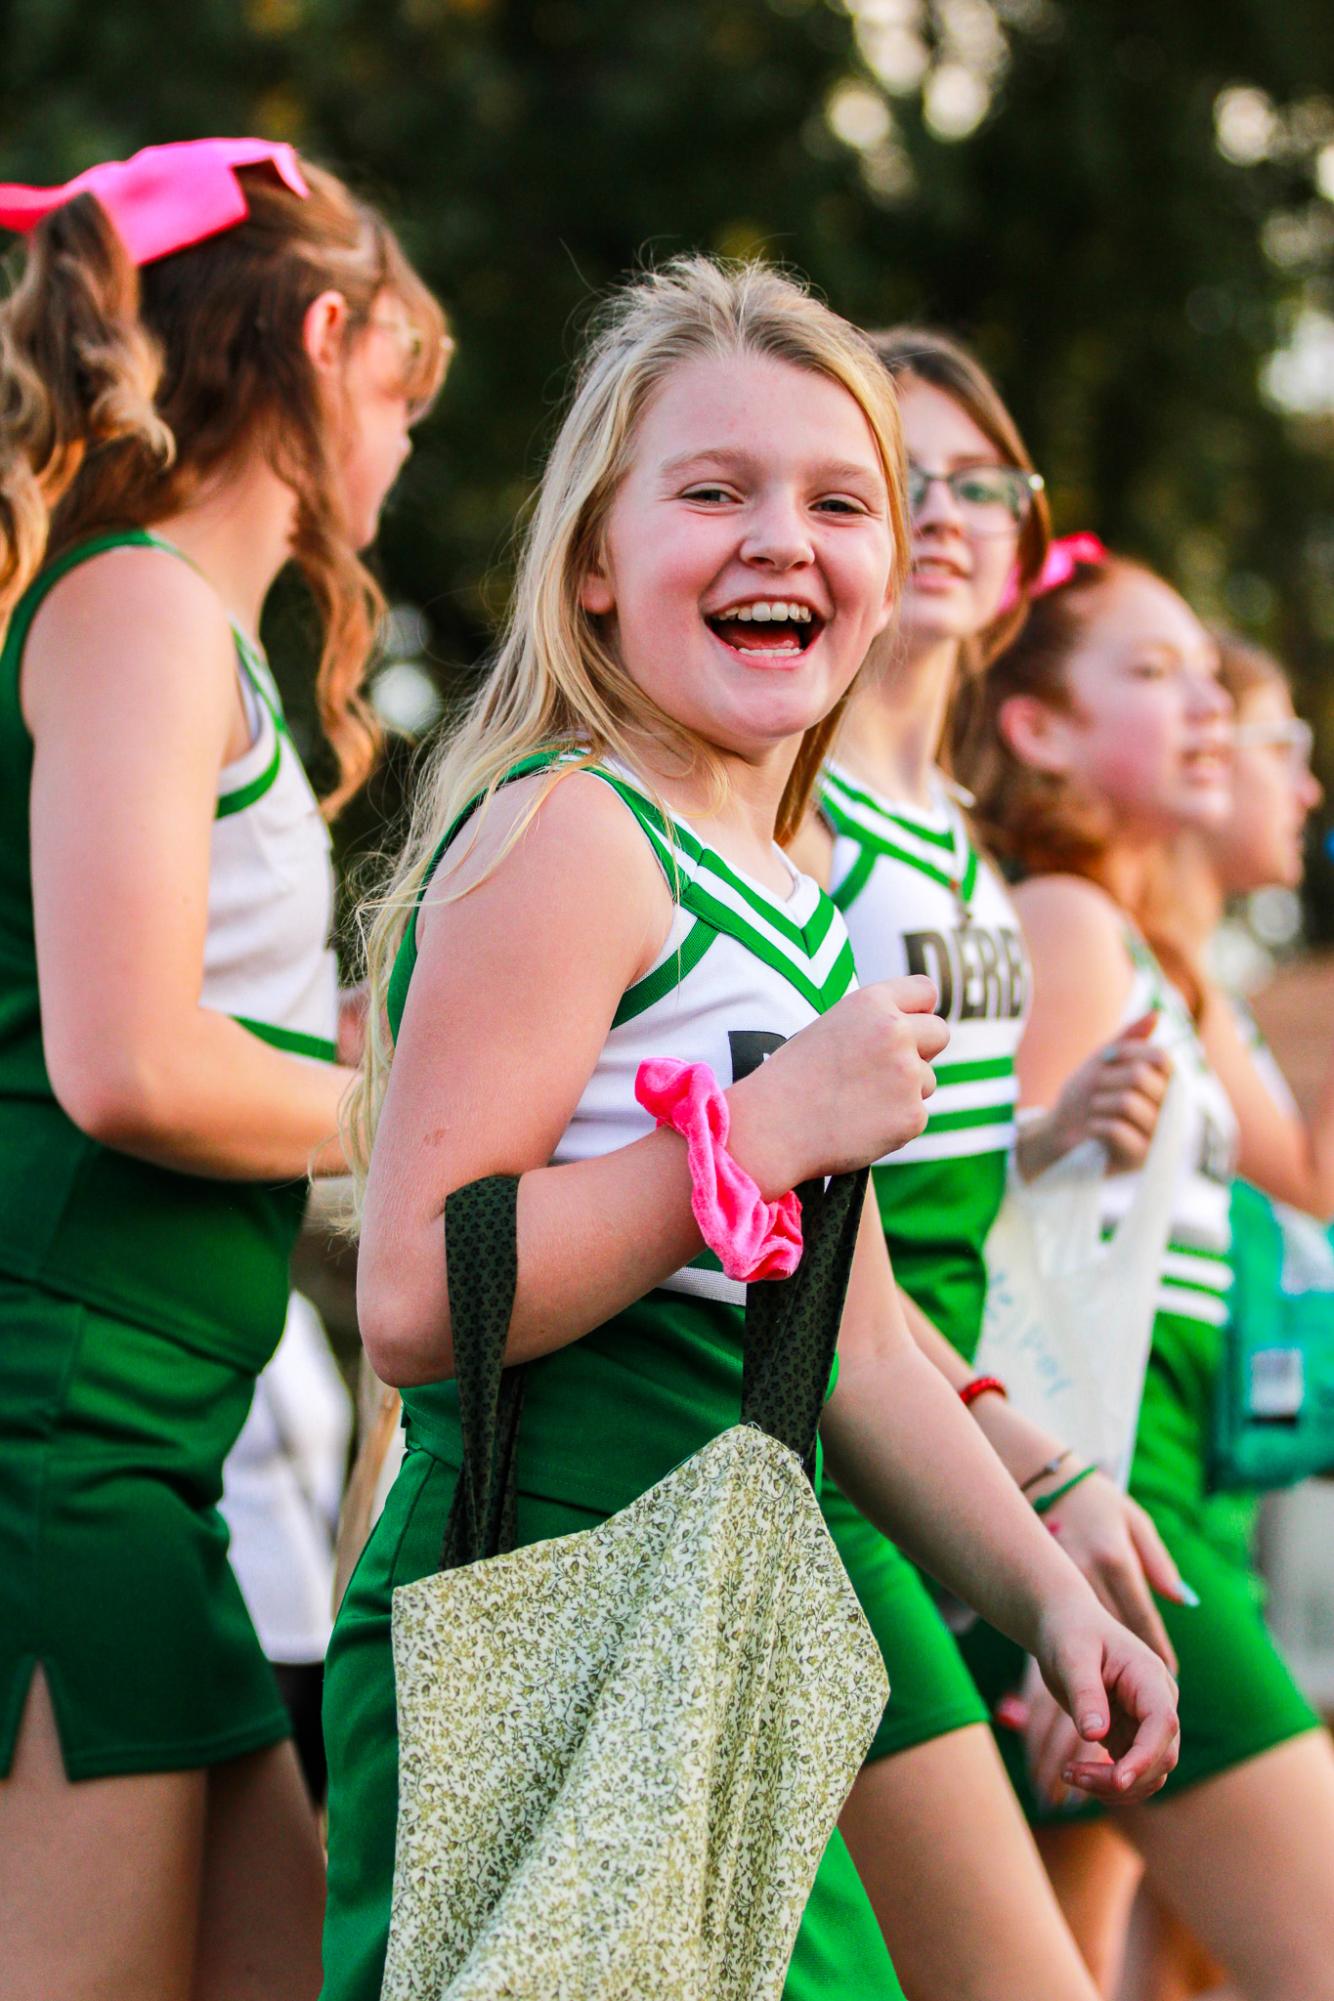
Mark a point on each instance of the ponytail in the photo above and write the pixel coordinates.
(78, 371)
(123, 392)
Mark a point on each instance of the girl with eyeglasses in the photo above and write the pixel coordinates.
(958, 1889)
(1100, 739)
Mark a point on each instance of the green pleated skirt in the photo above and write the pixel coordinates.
(114, 1575)
(839, 1950)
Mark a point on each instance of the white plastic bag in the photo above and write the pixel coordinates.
(1069, 1317)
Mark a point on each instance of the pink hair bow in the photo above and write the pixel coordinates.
(1062, 559)
(166, 197)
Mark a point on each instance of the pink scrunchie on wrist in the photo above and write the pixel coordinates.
(753, 1238)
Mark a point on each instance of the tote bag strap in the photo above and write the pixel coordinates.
(482, 1265)
(792, 1323)
(791, 1334)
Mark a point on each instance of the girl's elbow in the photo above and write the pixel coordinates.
(121, 1103)
(403, 1347)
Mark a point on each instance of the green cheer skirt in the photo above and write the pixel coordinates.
(114, 1576)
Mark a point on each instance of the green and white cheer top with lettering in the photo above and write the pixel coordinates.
(919, 898)
(741, 970)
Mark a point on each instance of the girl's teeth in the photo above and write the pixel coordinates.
(798, 614)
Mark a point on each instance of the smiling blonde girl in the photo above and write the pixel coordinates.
(717, 541)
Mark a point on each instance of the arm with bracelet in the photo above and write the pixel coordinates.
(1107, 1535)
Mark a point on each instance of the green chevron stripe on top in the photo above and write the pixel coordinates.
(695, 856)
(874, 841)
(919, 830)
(654, 986)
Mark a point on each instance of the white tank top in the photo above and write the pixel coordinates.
(742, 969)
(1196, 1268)
(267, 956)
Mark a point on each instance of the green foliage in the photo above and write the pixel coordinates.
(1126, 279)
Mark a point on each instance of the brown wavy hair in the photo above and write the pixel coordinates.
(123, 392)
(1039, 821)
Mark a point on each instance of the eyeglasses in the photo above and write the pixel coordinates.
(1294, 735)
(993, 500)
(410, 338)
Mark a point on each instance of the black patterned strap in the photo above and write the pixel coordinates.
(482, 1263)
(791, 1334)
(792, 1323)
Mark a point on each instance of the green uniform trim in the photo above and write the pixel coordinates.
(656, 985)
(916, 828)
(972, 1115)
(294, 1040)
(246, 795)
(855, 881)
(977, 1072)
(874, 844)
(672, 845)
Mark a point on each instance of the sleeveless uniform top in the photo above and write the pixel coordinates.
(918, 898)
(1196, 1268)
(741, 971)
(1171, 1449)
(203, 1260)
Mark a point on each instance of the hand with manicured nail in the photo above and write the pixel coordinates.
(1119, 1696)
(1052, 1745)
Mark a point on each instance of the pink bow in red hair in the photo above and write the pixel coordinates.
(1062, 559)
(166, 197)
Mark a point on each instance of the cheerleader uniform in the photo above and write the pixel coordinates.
(1238, 1697)
(138, 1304)
(918, 898)
(609, 1415)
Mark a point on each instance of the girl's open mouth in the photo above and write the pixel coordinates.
(772, 628)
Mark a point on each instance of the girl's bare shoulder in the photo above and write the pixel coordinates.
(128, 621)
(1072, 909)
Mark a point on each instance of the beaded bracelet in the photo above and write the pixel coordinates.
(1047, 1501)
(1045, 1472)
(979, 1387)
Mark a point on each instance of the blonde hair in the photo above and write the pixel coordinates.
(124, 391)
(555, 683)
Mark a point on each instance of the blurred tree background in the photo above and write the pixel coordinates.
(1128, 207)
